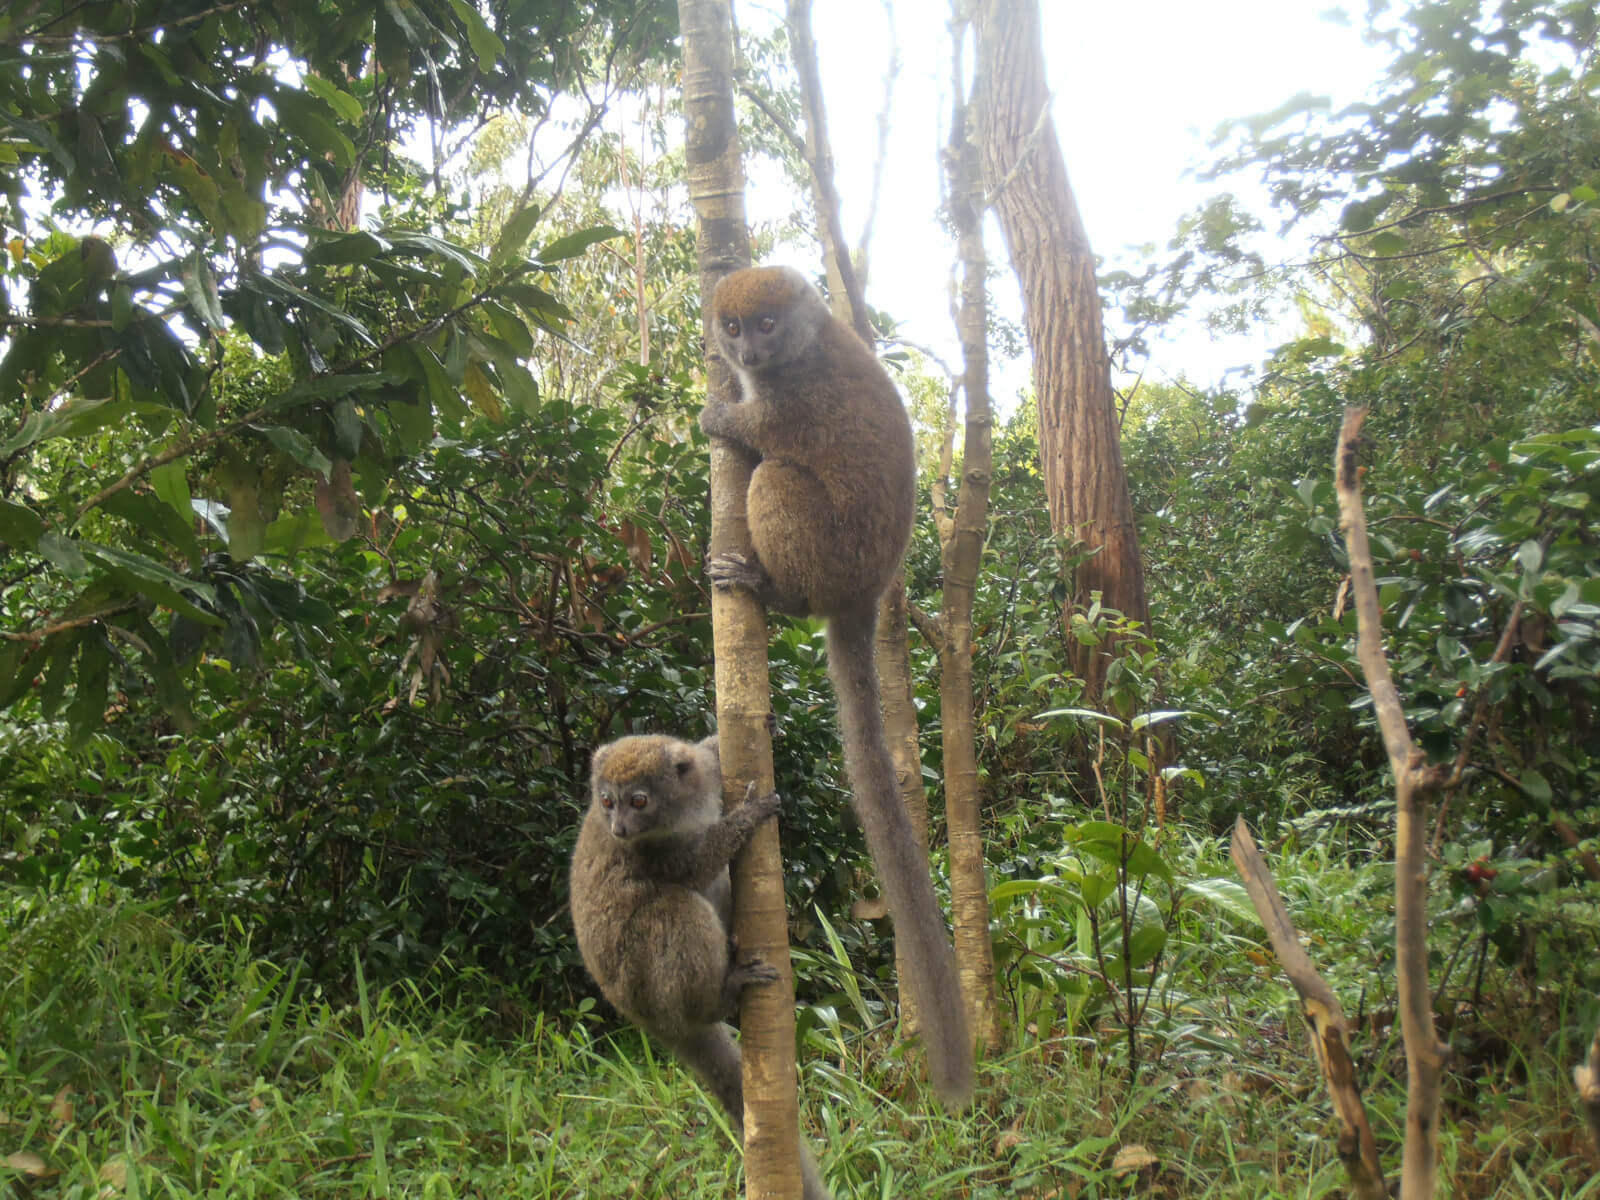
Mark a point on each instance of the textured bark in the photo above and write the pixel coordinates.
(1324, 1017)
(1414, 781)
(1079, 450)
(716, 189)
(961, 550)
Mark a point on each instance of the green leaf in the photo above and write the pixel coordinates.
(1226, 894)
(348, 428)
(121, 307)
(342, 102)
(1537, 787)
(1531, 556)
(536, 300)
(171, 484)
(247, 528)
(1145, 944)
(295, 444)
(158, 582)
(301, 298)
(516, 232)
(63, 554)
(200, 286)
(432, 247)
(485, 43)
(1086, 713)
(574, 244)
(20, 526)
(1387, 243)
(1160, 717)
(289, 535)
(19, 663)
(333, 247)
(300, 115)
(325, 387)
(87, 711)
(145, 513)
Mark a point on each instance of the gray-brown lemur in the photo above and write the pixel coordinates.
(830, 510)
(651, 905)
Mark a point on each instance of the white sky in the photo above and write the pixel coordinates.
(1138, 88)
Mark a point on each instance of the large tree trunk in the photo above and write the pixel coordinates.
(716, 188)
(961, 539)
(1078, 434)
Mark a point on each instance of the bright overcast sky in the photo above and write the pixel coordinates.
(1138, 89)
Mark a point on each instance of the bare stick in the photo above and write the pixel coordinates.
(1414, 779)
(1324, 1018)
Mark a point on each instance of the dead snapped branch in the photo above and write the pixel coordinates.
(1414, 781)
(1324, 1017)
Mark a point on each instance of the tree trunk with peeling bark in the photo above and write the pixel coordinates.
(1079, 447)
(716, 189)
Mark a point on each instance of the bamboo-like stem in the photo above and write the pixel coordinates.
(739, 629)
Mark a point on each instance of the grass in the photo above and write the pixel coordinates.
(136, 1063)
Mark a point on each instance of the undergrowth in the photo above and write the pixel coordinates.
(135, 1062)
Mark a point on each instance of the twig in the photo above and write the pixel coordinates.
(81, 35)
(1452, 781)
(35, 636)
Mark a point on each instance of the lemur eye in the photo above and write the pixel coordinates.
(639, 799)
(731, 327)
(605, 800)
(767, 325)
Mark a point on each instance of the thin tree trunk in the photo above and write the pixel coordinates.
(1414, 781)
(716, 188)
(961, 550)
(849, 305)
(900, 724)
(1079, 447)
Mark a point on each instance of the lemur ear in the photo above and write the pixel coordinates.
(685, 764)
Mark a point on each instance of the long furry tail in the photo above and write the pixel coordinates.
(713, 1055)
(853, 667)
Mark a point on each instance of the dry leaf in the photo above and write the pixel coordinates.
(337, 503)
(1133, 1158)
(114, 1176)
(637, 540)
(869, 908)
(28, 1163)
(61, 1108)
